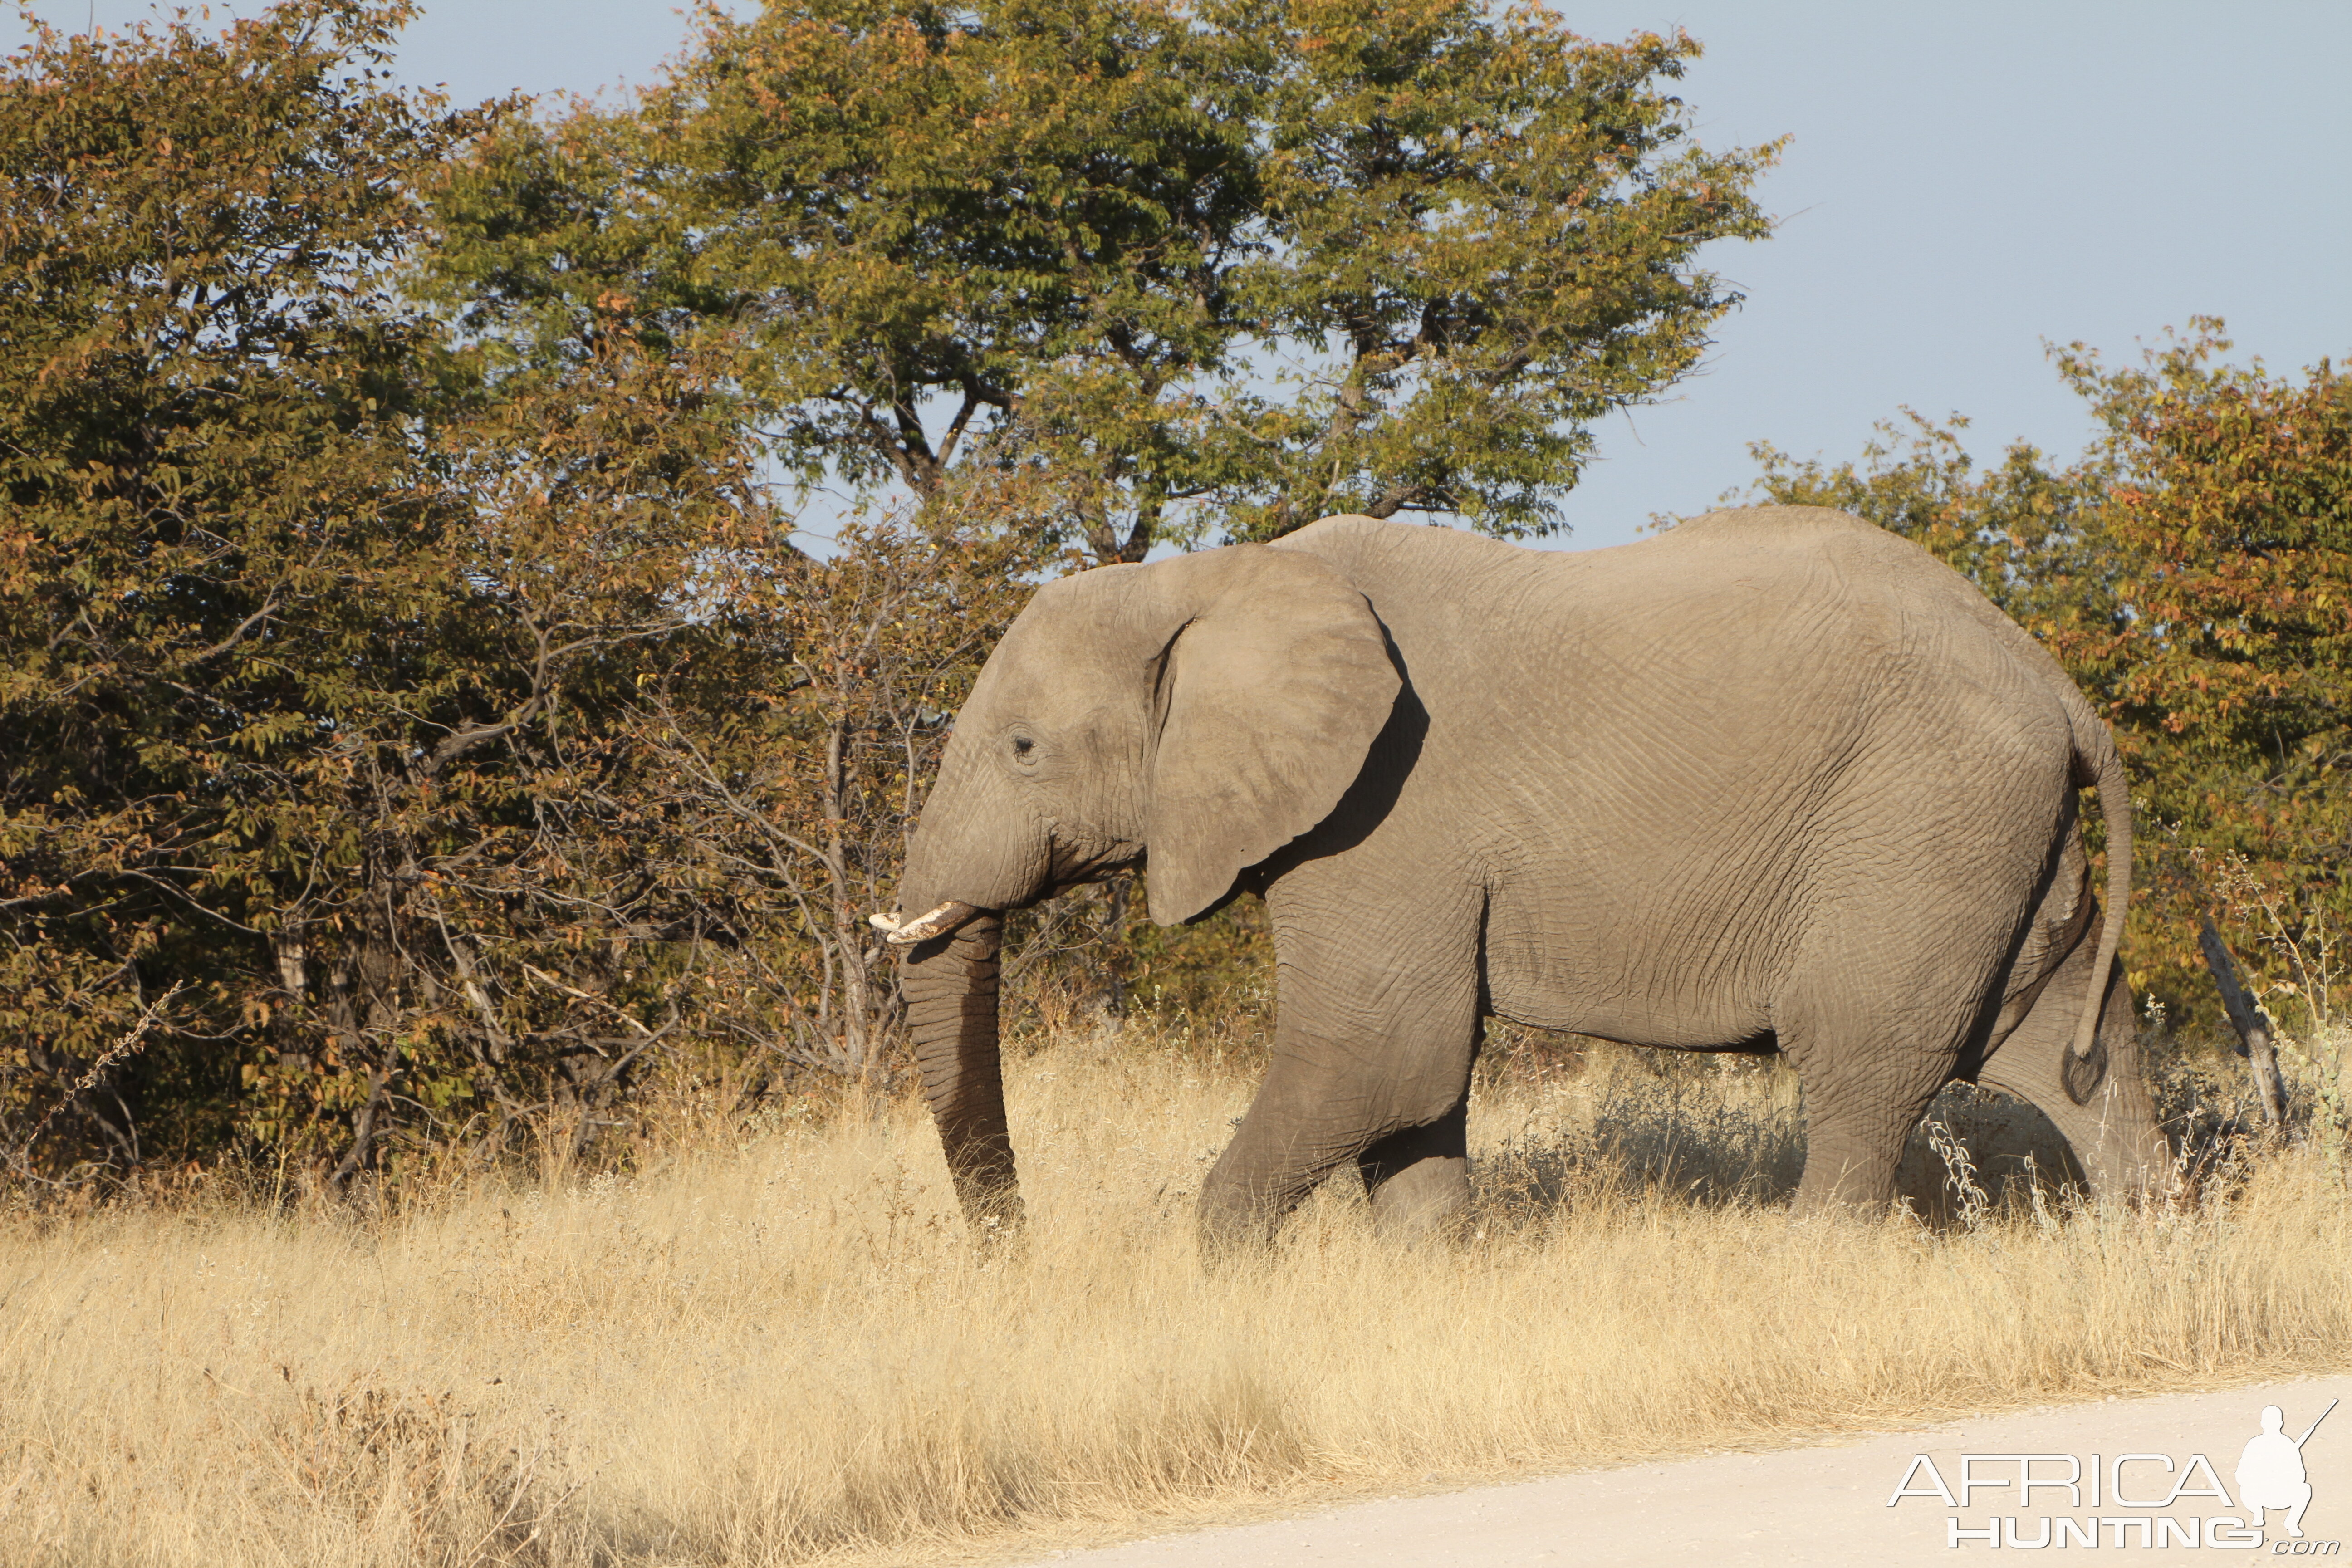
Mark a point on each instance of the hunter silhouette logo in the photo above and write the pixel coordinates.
(2130, 1500)
(2271, 1473)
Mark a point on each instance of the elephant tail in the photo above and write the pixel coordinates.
(2097, 767)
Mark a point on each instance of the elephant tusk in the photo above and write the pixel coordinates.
(938, 924)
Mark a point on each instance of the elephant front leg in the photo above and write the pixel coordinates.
(1387, 1089)
(1303, 1126)
(1276, 1158)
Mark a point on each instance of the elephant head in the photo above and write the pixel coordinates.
(1196, 715)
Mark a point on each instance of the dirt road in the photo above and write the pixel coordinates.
(1831, 1504)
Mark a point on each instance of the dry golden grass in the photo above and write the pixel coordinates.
(784, 1351)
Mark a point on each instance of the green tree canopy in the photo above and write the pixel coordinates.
(1210, 270)
(363, 716)
(208, 396)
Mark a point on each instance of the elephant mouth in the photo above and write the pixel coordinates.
(924, 928)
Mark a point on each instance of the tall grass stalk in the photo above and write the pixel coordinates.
(782, 1349)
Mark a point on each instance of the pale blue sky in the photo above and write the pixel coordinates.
(1966, 181)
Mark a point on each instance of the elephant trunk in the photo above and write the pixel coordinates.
(951, 987)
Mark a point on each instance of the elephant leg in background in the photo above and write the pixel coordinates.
(1419, 1179)
(1387, 1089)
(2112, 1127)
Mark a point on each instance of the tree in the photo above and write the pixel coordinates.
(1204, 271)
(199, 357)
(1478, 234)
(328, 664)
(2227, 503)
(798, 791)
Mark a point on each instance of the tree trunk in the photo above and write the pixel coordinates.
(849, 932)
(952, 1012)
(363, 1015)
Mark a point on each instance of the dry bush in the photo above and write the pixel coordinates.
(778, 1348)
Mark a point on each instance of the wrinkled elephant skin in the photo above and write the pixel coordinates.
(1775, 779)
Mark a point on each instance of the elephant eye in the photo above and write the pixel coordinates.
(1022, 746)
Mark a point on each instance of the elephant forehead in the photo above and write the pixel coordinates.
(1045, 676)
(1056, 653)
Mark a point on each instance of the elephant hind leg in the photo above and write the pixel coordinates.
(1869, 1066)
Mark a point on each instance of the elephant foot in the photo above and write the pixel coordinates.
(995, 1241)
(1430, 1204)
(2146, 1170)
(1245, 1197)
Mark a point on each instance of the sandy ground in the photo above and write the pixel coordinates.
(1831, 1504)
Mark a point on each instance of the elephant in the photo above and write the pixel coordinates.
(1774, 779)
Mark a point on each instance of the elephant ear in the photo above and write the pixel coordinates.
(1272, 694)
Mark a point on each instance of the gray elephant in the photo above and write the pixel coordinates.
(1773, 780)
